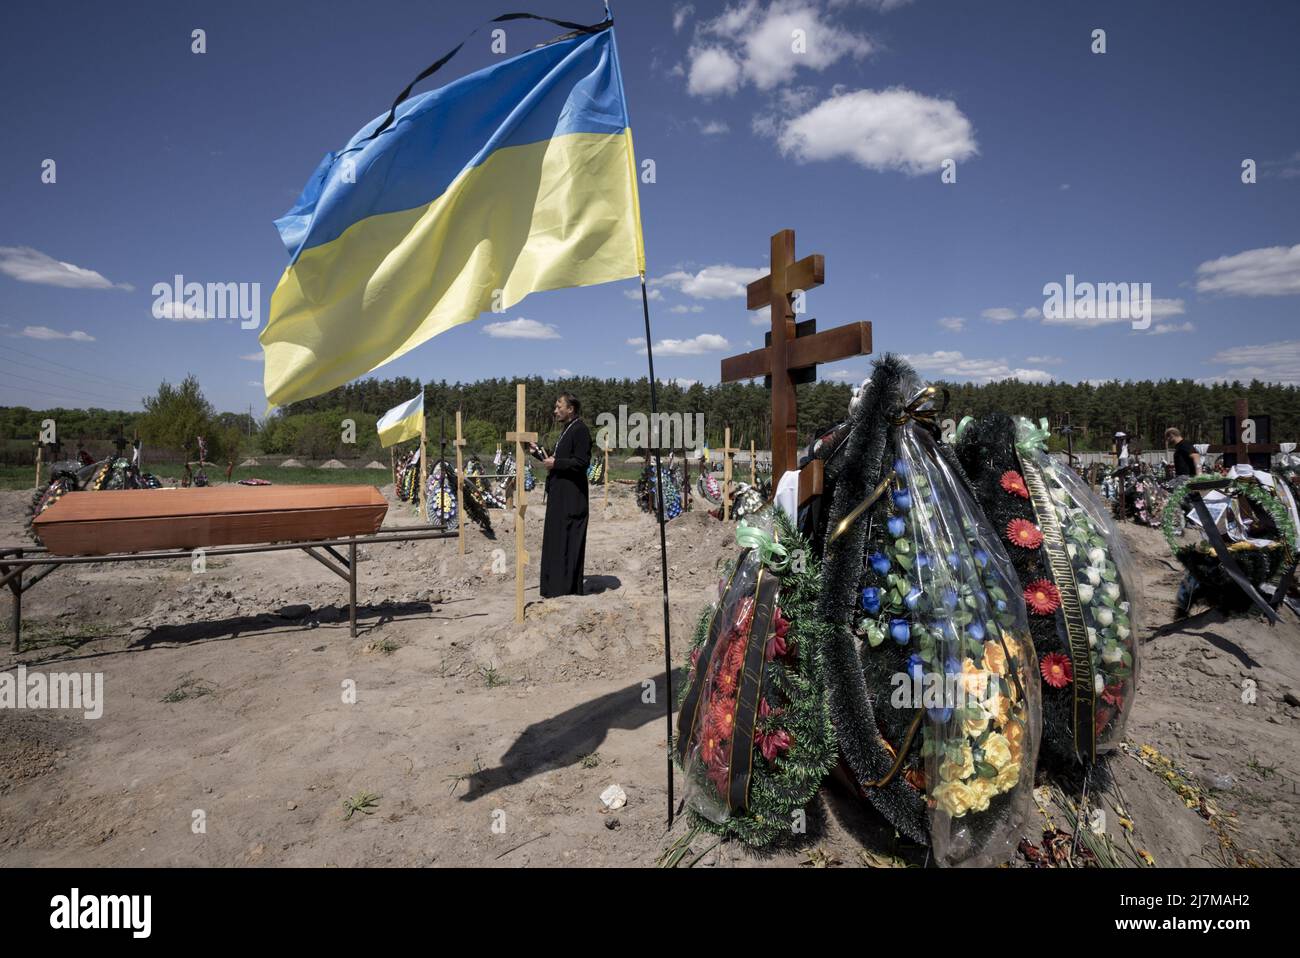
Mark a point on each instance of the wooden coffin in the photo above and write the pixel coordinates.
(146, 520)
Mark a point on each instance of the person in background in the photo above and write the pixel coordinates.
(1187, 461)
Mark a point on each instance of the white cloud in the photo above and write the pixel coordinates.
(1045, 360)
(44, 332)
(1109, 310)
(712, 127)
(713, 71)
(32, 266)
(722, 281)
(1268, 271)
(766, 45)
(954, 324)
(180, 312)
(881, 6)
(686, 309)
(952, 364)
(521, 329)
(562, 373)
(636, 294)
(703, 343)
(1271, 362)
(998, 314)
(254, 357)
(681, 14)
(1033, 312)
(895, 129)
(1160, 329)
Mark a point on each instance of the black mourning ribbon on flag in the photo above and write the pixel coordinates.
(1224, 554)
(574, 28)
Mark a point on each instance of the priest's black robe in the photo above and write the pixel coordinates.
(564, 541)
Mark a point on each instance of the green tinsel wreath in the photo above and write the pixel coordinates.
(1256, 493)
(786, 784)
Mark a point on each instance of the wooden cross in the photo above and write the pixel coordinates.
(1242, 450)
(792, 353)
(727, 453)
(519, 437)
(458, 442)
(753, 466)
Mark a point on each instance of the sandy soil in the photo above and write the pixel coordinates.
(490, 744)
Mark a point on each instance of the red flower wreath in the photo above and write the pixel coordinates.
(1042, 597)
(1023, 533)
(1057, 670)
(1014, 483)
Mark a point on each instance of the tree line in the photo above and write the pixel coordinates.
(316, 428)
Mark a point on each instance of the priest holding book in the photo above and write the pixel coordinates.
(564, 541)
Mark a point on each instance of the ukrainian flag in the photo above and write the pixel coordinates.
(402, 422)
(518, 178)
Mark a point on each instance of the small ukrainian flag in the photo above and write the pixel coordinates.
(514, 179)
(402, 422)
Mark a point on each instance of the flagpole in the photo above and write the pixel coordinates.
(424, 457)
(663, 551)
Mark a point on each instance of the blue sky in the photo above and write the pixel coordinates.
(1122, 166)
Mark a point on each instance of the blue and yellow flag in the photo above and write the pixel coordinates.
(402, 422)
(511, 180)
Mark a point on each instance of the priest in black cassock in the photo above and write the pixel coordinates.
(564, 541)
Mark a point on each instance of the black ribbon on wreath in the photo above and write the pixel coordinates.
(1230, 565)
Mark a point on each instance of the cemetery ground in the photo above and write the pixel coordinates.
(225, 738)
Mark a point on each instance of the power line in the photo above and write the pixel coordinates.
(74, 387)
(115, 382)
(28, 389)
(69, 389)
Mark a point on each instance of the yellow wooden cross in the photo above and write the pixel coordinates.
(519, 437)
(605, 474)
(753, 468)
(727, 453)
(460, 482)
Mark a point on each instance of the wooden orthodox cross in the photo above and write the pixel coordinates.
(792, 353)
(519, 437)
(1243, 432)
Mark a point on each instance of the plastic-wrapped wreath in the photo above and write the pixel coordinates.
(754, 735)
(930, 665)
(1079, 584)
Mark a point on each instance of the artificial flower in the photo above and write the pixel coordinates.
(1114, 695)
(880, 562)
(1085, 593)
(901, 467)
(775, 743)
(1097, 556)
(1098, 682)
(896, 526)
(1014, 483)
(1112, 654)
(902, 500)
(1007, 777)
(713, 746)
(722, 716)
(997, 750)
(1023, 533)
(912, 598)
(1111, 589)
(974, 680)
(916, 666)
(955, 798)
(1042, 597)
(981, 558)
(871, 599)
(950, 771)
(995, 658)
(976, 630)
(1094, 576)
(1105, 617)
(984, 790)
(900, 631)
(1057, 670)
